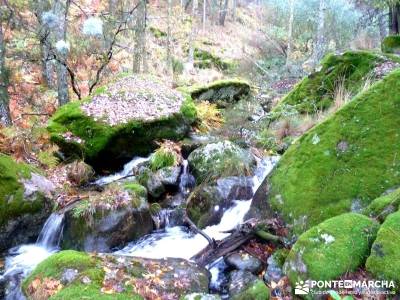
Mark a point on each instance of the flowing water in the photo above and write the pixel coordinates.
(21, 260)
(179, 242)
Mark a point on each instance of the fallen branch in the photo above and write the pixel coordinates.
(211, 241)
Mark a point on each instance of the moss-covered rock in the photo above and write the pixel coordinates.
(114, 277)
(127, 118)
(316, 92)
(383, 206)
(222, 92)
(391, 44)
(24, 202)
(206, 60)
(245, 286)
(220, 159)
(332, 248)
(346, 161)
(384, 261)
(108, 221)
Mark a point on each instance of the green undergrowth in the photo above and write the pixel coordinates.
(316, 92)
(257, 291)
(351, 158)
(162, 158)
(207, 60)
(391, 44)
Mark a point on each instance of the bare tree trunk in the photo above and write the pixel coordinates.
(223, 12)
(140, 29)
(192, 34)
(61, 9)
(319, 45)
(204, 14)
(290, 33)
(48, 71)
(394, 15)
(169, 38)
(382, 23)
(5, 118)
(234, 7)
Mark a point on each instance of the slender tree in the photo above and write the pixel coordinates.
(140, 38)
(192, 33)
(319, 44)
(5, 118)
(290, 33)
(223, 13)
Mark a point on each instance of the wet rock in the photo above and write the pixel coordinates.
(274, 272)
(235, 188)
(154, 185)
(220, 159)
(79, 173)
(169, 176)
(244, 285)
(198, 296)
(124, 277)
(25, 201)
(69, 275)
(106, 228)
(244, 262)
(330, 249)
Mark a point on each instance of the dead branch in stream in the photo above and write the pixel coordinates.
(238, 237)
(211, 242)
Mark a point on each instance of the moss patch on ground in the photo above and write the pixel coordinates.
(257, 291)
(206, 60)
(316, 92)
(12, 203)
(351, 158)
(384, 261)
(332, 248)
(391, 44)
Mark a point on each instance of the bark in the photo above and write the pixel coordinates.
(169, 38)
(5, 118)
(204, 14)
(234, 6)
(140, 31)
(394, 19)
(192, 33)
(290, 33)
(61, 9)
(319, 45)
(223, 13)
(382, 23)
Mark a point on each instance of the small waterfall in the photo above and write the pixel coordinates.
(21, 260)
(187, 181)
(51, 234)
(126, 171)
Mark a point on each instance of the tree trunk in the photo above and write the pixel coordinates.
(394, 16)
(319, 45)
(140, 29)
(223, 12)
(290, 33)
(169, 38)
(382, 23)
(234, 7)
(60, 32)
(192, 34)
(204, 15)
(5, 118)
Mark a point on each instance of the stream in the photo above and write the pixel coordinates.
(171, 241)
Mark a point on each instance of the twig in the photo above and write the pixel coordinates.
(193, 226)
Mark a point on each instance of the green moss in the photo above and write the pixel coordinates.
(205, 60)
(336, 246)
(381, 207)
(55, 265)
(391, 44)
(316, 92)
(136, 188)
(257, 291)
(384, 262)
(12, 202)
(351, 157)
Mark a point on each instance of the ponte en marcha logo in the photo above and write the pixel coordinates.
(321, 286)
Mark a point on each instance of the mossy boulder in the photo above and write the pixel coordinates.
(220, 159)
(348, 160)
(108, 221)
(124, 119)
(384, 261)
(25, 202)
(222, 92)
(383, 206)
(391, 44)
(204, 59)
(114, 277)
(330, 249)
(316, 91)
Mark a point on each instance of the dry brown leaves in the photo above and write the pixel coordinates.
(43, 289)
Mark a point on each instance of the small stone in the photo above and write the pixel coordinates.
(69, 275)
(342, 146)
(245, 262)
(86, 280)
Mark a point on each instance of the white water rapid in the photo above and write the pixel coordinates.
(180, 243)
(21, 260)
